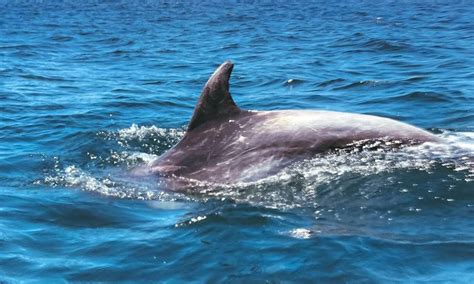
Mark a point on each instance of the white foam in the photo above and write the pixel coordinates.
(301, 233)
(141, 132)
(299, 182)
(124, 187)
(456, 154)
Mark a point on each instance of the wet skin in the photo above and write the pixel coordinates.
(225, 144)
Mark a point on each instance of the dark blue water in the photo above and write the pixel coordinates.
(89, 90)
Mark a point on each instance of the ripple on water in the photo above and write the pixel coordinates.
(91, 91)
(368, 84)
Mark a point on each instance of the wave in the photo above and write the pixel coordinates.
(384, 45)
(362, 84)
(61, 38)
(331, 82)
(18, 47)
(293, 82)
(378, 45)
(416, 79)
(111, 40)
(44, 78)
(425, 96)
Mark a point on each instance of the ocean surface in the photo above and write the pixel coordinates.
(91, 89)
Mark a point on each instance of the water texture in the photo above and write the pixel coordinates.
(91, 89)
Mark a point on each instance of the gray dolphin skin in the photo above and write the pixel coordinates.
(225, 144)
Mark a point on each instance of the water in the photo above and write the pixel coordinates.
(91, 89)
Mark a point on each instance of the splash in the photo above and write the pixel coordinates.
(143, 132)
(117, 186)
(307, 184)
(109, 174)
(146, 139)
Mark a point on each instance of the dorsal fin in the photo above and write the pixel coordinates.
(215, 99)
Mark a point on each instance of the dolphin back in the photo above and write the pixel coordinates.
(226, 144)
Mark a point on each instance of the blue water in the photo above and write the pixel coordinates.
(91, 89)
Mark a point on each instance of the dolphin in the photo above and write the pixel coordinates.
(224, 144)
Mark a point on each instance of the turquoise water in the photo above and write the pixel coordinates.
(91, 89)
